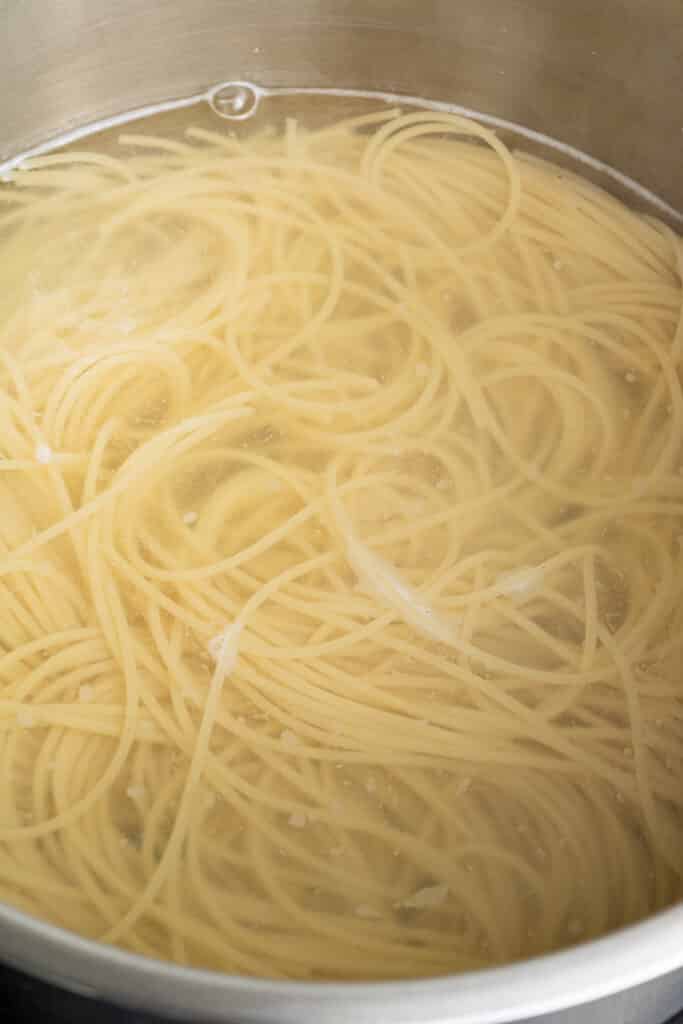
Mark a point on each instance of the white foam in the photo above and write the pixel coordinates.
(289, 739)
(223, 647)
(363, 910)
(520, 581)
(428, 897)
(380, 578)
(44, 454)
(463, 786)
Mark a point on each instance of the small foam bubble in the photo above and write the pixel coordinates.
(224, 646)
(44, 454)
(427, 897)
(25, 718)
(520, 581)
(297, 820)
(190, 518)
(462, 786)
(363, 910)
(86, 694)
(289, 739)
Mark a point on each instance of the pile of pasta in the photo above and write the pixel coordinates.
(341, 567)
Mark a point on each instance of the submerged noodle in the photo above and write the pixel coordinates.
(341, 562)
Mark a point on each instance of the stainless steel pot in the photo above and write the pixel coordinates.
(606, 78)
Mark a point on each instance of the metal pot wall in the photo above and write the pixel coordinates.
(605, 78)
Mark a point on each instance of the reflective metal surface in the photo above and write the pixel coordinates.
(633, 977)
(606, 78)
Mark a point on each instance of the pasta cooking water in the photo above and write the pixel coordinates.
(341, 564)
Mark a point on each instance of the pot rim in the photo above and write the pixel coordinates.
(584, 973)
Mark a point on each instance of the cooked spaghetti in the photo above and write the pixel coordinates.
(341, 563)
